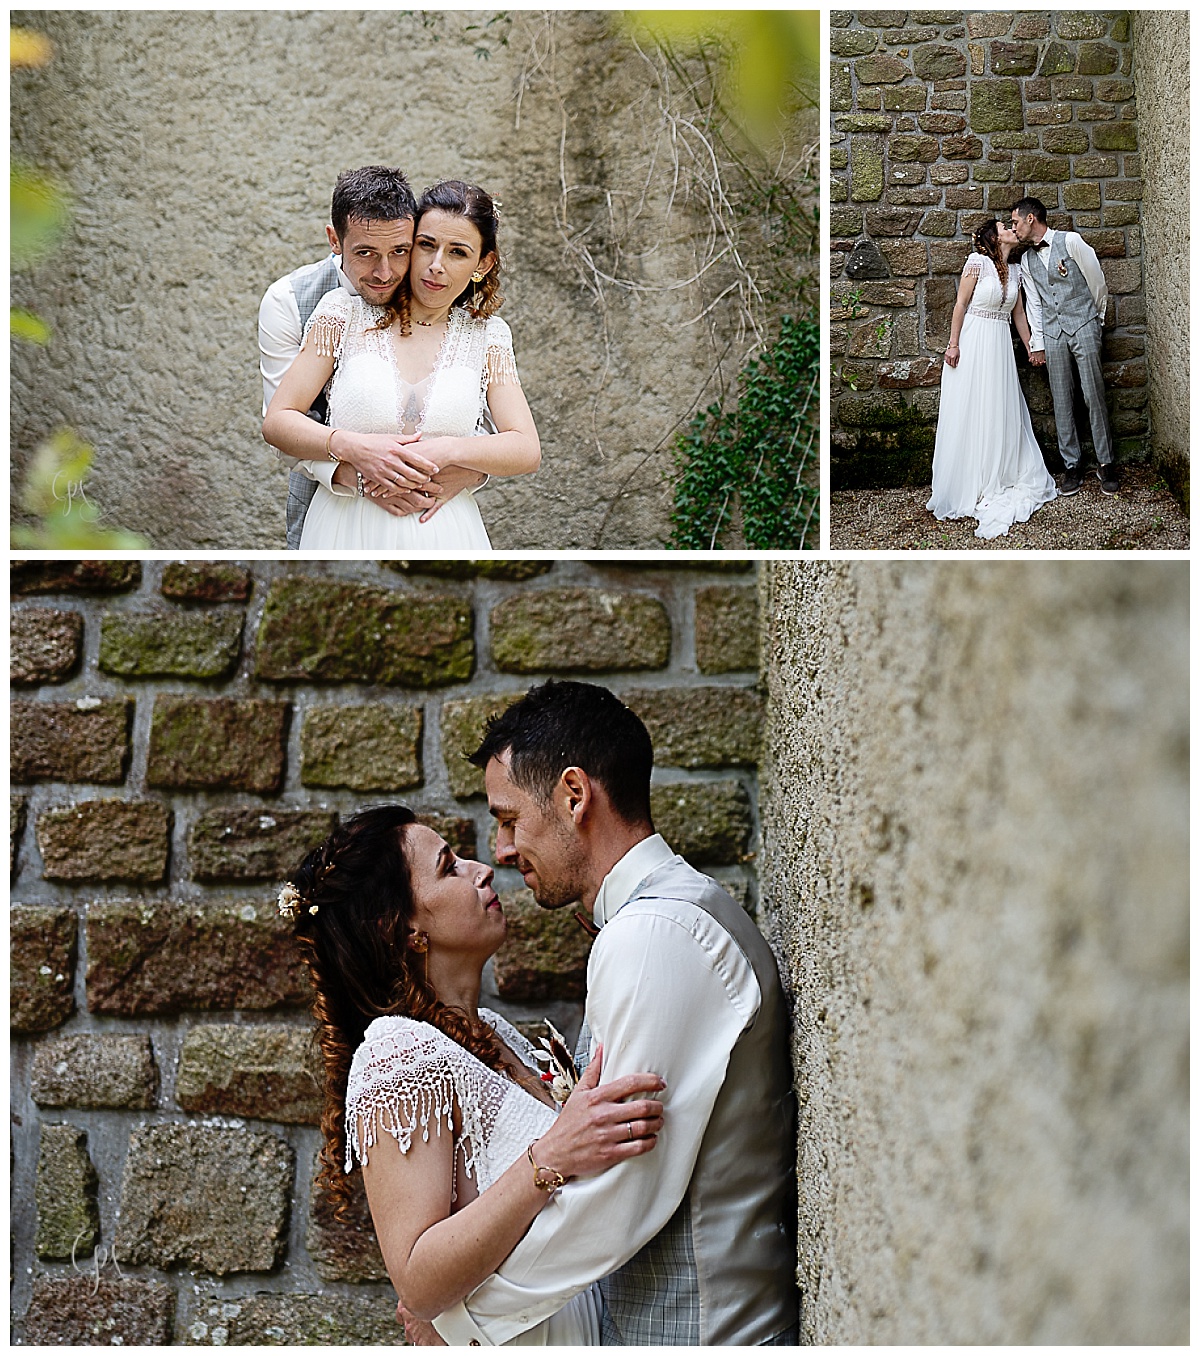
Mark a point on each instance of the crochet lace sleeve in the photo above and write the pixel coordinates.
(973, 268)
(327, 324)
(402, 1082)
(500, 364)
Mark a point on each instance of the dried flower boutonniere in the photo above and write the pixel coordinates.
(559, 1073)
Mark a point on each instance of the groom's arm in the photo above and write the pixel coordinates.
(279, 335)
(668, 992)
(1033, 313)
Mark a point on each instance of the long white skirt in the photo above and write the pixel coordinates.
(337, 522)
(986, 461)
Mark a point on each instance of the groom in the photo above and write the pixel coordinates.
(694, 1243)
(370, 236)
(1066, 296)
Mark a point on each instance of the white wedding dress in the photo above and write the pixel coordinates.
(367, 394)
(408, 1078)
(986, 461)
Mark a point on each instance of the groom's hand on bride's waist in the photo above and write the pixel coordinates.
(427, 501)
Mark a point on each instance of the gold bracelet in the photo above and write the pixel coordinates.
(553, 1179)
(329, 452)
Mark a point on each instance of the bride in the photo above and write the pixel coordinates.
(410, 377)
(986, 461)
(460, 1139)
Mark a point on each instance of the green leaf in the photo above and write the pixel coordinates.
(39, 214)
(26, 325)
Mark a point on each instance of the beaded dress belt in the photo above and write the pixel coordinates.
(988, 315)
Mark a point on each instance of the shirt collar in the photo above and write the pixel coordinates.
(628, 874)
(345, 282)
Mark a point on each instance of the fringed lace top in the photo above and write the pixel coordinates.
(409, 1080)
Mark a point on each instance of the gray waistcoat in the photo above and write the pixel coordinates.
(1067, 303)
(309, 285)
(722, 1271)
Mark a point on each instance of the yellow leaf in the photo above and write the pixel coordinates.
(27, 48)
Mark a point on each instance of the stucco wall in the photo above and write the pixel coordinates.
(975, 871)
(1160, 45)
(201, 149)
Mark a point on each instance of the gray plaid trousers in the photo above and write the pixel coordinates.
(1064, 354)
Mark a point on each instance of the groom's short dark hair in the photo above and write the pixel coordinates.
(1030, 207)
(564, 724)
(372, 193)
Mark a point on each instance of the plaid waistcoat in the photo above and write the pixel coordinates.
(1067, 302)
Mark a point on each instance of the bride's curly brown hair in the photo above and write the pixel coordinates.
(352, 927)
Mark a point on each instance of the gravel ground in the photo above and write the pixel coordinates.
(1142, 517)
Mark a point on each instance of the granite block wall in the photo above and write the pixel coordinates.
(942, 119)
(975, 817)
(181, 734)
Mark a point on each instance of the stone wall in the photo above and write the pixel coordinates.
(181, 733)
(942, 119)
(1161, 68)
(201, 149)
(974, 798)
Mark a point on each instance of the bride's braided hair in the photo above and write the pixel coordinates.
(352, 903)
(986, 240)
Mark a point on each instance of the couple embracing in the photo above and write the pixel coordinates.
(986, 463)
(389, 380)
(646, 1200)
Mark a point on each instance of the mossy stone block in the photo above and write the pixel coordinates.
(321, 630)
(365, 748)
(68, 1217)
(74, 576)
(205, 582)
(707, 823)
(995, 106)
(577, 629)
(254, 842)
(463, 722)
(170, 644)
(44, 645)
(219, 743)
(41, 960)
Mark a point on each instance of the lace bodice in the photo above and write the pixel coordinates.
(989, 296)
(408, 1078)
(367, 394)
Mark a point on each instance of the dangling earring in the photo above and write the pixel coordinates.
(474, 304)
(419, 943)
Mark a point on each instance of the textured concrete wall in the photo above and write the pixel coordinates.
(181, 735)
(975, 870)
(943, 119)
(1160, 71)
(201, 149)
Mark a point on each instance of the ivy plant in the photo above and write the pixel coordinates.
(756, 456)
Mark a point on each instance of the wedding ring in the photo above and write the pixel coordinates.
(629, 1128)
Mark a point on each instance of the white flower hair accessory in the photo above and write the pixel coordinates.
(290, 901)
(560, 1067)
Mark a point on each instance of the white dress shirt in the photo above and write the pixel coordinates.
(280, 335)
(280, 332)
(1089, 265)
(669, 992)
